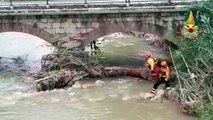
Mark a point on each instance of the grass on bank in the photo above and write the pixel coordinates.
(194, 65)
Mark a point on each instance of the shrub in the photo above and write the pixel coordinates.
(193, 63)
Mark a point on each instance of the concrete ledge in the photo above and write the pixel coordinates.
(142, 9)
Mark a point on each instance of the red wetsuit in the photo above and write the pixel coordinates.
(157, 71)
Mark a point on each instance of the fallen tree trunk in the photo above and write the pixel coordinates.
(65, 78)
(115, 71)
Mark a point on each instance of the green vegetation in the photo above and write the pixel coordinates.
(205, 113)
(194, 65)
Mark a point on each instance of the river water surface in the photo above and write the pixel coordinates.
(114, 101)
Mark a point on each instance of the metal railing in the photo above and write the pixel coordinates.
(48, 3)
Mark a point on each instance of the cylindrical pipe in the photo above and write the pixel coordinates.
(85, 3)
(127, 3)
(169, 2)
(11, 3)
(47, 4)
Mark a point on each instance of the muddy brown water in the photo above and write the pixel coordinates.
(113, 101)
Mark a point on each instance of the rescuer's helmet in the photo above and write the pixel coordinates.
(148, 55)
(163, 63)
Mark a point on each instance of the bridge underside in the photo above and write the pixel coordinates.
(107, 28)
(21, 27)
(83, 26)
(85, 35)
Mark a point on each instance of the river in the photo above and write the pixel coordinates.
(114, 101)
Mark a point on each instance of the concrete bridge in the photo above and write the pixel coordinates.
(78, 25)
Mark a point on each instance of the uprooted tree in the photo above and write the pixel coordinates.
(65, 66)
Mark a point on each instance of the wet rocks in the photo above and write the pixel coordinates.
(97, 83)
(146, 95)
(159, 95)
(172, 95)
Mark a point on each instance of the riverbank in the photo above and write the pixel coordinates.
(194, 65)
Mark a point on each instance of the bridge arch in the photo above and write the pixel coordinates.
(25, 28)
(106, 28)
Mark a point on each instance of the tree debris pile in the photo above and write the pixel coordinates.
(61, 69)
(58, 79)
(63, 59)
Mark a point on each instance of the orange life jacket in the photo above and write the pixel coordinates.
(165, 72)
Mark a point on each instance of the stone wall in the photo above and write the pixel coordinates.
(88, 27)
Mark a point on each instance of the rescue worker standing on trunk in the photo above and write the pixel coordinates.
(150, 63)
(164, 77)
